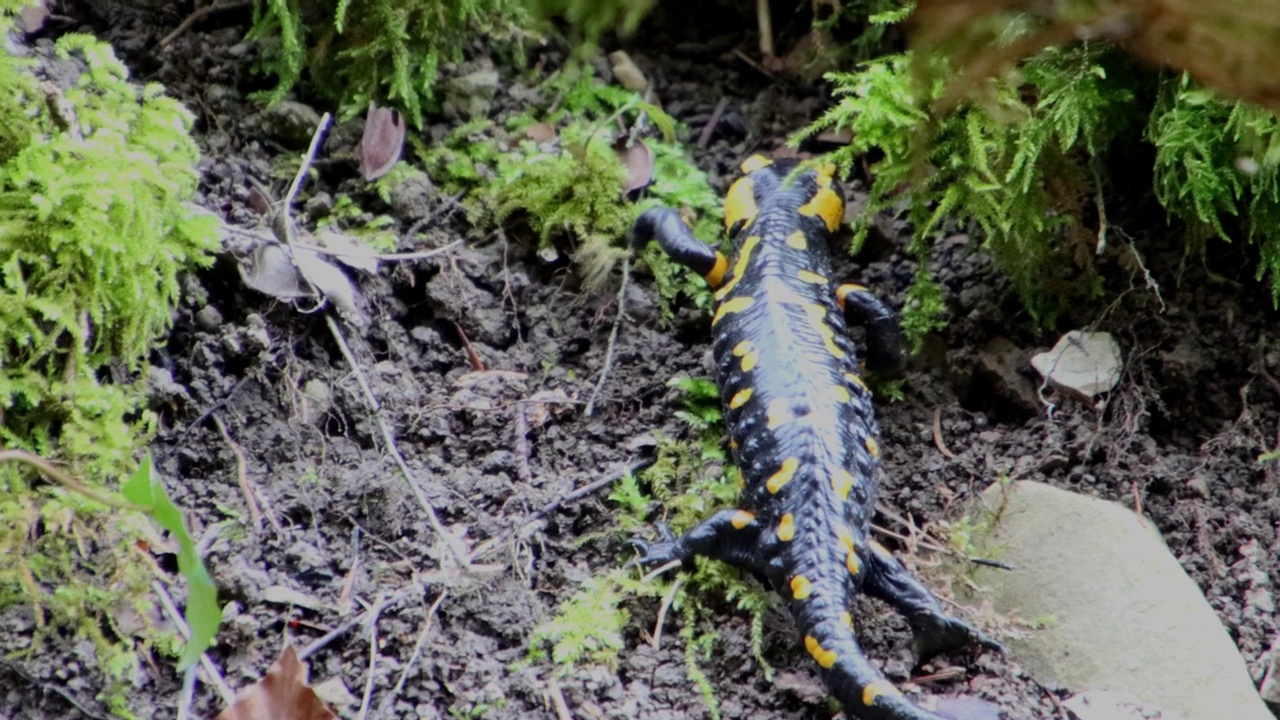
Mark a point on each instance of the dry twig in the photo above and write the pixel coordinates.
(385, 705)
(250, 497)
(613, 336)
(937, 433)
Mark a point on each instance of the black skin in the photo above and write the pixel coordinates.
(803, 428)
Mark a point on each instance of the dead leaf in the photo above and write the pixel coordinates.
(541, 132)
(637, 158)
(382, 141)
(269, 270)
(258, 201)
(628, 74)
(348, 250)
(333, 283)
(334, 692)
(547, 403)
(282, 694)
(281, 595)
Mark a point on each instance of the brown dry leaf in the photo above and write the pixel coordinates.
(540, 133)
(382, 141)
(637, 158)
(282, 694)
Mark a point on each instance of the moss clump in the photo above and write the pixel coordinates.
(93, 234)
(357, 51)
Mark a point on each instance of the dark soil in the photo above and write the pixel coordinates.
(1180, 437)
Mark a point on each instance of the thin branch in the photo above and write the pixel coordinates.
(386, 257)
(51, 472)
(385, 705)
(171, 610)
(613, 336)
(393, 450)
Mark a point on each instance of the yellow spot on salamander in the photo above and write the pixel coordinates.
(877, 689)
(844, 291)
(797, 240)
(735, 305)
(740, 203)
(841, 483)
(740, 398)
(825, 174)
(857, 381)
(783, 476)
(873, 447)
(741, 519)
(787, 528)
(754, 163)
(742, 348)
(818, 321)
(842, 394)
(739, 265)
(847, 620)
(716, 276)
(851, 561)
(779, 413)
(825, 204)
(811, 277)
(750, 360)
(845, 538)
(825, 658)
(801, 588)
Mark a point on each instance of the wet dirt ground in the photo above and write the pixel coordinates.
(1180, 437)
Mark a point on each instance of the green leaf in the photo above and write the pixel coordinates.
(202, 614)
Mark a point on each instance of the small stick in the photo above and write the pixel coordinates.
(523, 471)
(413, 659)
(937, 433)
(613, 336)
(323, 641)
(667, 600)
(473, 357)
(393, 450)
(704, 139)
(255, 514)
(197, 16)
(946, 674)
(388, 257)
(554, 505)
(661, 569)
(188, 693)
(50, 471)
(373, 665)
(171, 609)
(557, 700)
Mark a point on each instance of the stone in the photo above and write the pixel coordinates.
(472, 94)
(290, 123)
(1119, 612)
(1082, 363)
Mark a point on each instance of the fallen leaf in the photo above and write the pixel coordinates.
(281, 595)
(628, 74)
(541, 132)
(637, 158)
(32, 17)
(348, 250)
(333, 283)
(269, 270)
(547, 403)
(382, 141)
(258, 201)
(282, 694)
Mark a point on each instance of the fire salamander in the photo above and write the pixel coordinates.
(802, 427)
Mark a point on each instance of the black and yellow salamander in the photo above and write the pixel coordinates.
(802, 427)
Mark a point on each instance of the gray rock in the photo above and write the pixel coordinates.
(472, 94)
(1121, 614)
(317, 400)
(209, 318)
(1106, 705)
(1086, 364)
(290, 123)
(411, 197)
(998, 364)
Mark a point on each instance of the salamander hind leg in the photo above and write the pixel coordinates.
(730, 536)
(934, 630)
(884, 335)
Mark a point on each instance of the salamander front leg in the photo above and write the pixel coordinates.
(677, 240)
(884, 334)
(730, 536)
(934, 630)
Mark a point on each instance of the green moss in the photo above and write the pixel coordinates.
(93, 236)
(356, 51)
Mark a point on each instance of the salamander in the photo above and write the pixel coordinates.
(802, 427)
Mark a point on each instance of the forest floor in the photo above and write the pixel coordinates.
(1180, 436)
